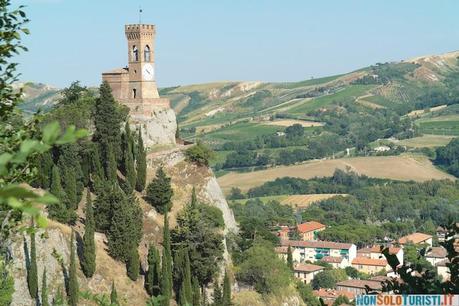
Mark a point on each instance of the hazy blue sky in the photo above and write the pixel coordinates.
(209, 40)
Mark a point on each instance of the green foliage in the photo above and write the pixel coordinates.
(217, 296)
(293, 131)
(448, 157)
(152, 277)
(88, 258)
(73, 288)
(352, 272)
(32, 270)
(6, 284)
(196, 292)
(141, 164)
(328, 278)
(166, 264)
(114, 295)
(226, 290)
(212, 215)
(44, 290)
(125, 231)
(236, 194)
(159, 192)
(263, 269)
(128, 157)
(341, 300)
(133, 264)
(59, 300)
(182, 277)
(44, 163)
(289, 258)
(58, 211)
(199, 154)
(107, 119)
(108, 196)
(306, 293)
(194, 233)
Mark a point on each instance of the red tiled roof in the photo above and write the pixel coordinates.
(307, 268)
(333, 294)
(377, 249)
(309, 226)
(414, 238)
(369, 261)
(332, 259)
(317, 244)
(360, 283)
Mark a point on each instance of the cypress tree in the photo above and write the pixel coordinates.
(72, 176)
(44, 290)
(107, 121)
(141, 164)
(196, 292)
(159, 192)
(32, 273)
(73, 292)
(166, 264)
(110, 165)
(133, 264)
(45, 164)
(226, 290)
(88, 259)
(152, 275)
(125, 231)
(186, 281)
(58, 211)
(59, 298)
(217, 295)
(289, 258)
(113, 295)
(128, 161)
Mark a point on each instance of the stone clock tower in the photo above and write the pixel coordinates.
(135, 87)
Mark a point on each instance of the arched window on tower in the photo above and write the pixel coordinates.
(146, 53)
(134, 93)
(135, 54)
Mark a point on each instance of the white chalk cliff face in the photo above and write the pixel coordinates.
(157, 129)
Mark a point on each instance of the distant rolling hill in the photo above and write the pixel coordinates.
(209, 110)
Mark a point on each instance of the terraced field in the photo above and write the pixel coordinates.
(426, 141)
(442, 125)
(296, 200)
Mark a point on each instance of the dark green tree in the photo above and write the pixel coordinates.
(45, 165)
(107, 120)
(217, 294)
(166, 264)
(141, 164)
(159, 192)
(341, 300)
(73, 288)
(59, 300)
(289, 258)
(110, 164)
(182, 277)
(44, 290)
(152, 277)
(108, 195)
(114, 296)
(193, 232)
(199, 154)
(196, 292)
(88, 258)
(32, 272)
(58, 211)
(128, 158)
(133, 264)
(125, 231)
(226, 290)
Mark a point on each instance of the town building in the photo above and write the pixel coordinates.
(370, 265)
(374, 252)
(316, 250)
(443, 269)
(416, 238)
(435, 255)
(306, 272)
(359, 286)
(336, 262)
(309, 230)
(282, 252)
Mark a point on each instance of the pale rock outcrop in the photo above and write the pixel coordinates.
(157, 129)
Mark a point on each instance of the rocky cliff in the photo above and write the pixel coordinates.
(157, 129)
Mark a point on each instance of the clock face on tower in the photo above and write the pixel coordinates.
(148, 73)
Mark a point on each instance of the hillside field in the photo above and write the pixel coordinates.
(403, 167)
(442, 125)
(426, 141)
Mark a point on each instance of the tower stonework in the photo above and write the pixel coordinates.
(135, 87)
